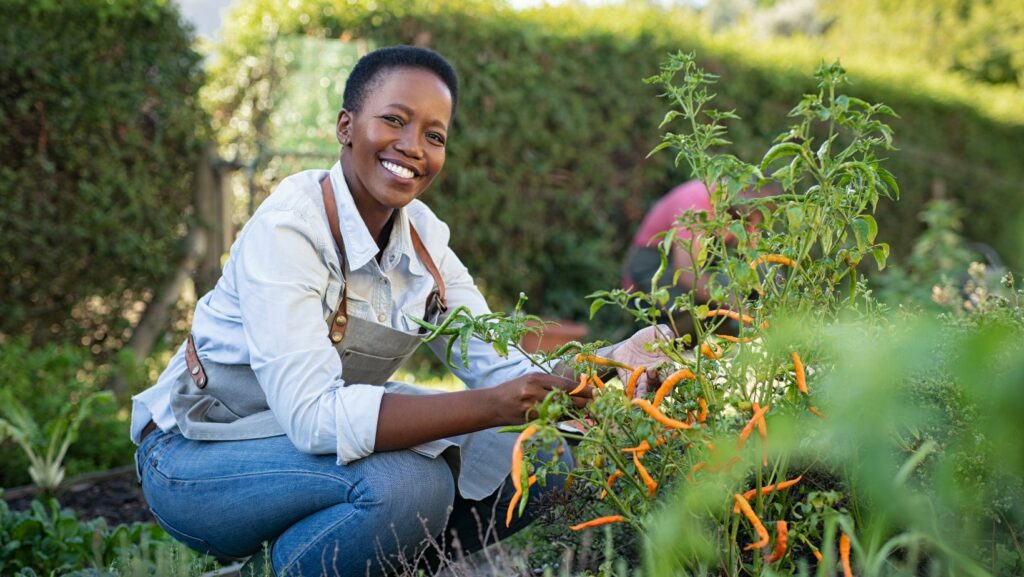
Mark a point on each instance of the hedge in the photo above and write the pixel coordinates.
(100, 127)
(547, 175)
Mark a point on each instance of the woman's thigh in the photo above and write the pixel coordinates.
(228, 497)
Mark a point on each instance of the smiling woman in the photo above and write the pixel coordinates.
(277, 422)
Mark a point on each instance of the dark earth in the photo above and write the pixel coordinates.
(114, 495)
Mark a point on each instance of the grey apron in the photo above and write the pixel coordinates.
(218, 402)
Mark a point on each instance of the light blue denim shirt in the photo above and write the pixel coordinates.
(270, 308)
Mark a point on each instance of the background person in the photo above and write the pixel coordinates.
(643, 260)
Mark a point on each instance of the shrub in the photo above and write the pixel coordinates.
(99, 135)
(547, 178)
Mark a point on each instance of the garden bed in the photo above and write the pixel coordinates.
(114, 495)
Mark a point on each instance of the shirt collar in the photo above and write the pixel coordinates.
(360, 248)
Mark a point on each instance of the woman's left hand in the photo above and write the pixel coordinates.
(634, 353)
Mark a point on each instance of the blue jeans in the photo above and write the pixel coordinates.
(227, 498)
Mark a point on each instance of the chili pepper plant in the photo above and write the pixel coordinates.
(731, 449)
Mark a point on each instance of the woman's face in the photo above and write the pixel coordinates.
(395, 145)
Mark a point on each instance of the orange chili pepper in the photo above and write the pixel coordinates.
(634, 378)
(814, 411)
(517, 469)
(649, 482)
(728, 313)
(733, 339)
(598, 522)
(844, 555)
(818, 555)
(751, 516)
(659, 416)
(768, 489)
(709, 352)
(801, 374)
(670, 383)
(781, 540)
(749, 427)
(594, 359)
(703, 416)
(762, 431)
(773, 258)
(597, 381)
(581, 386)
(640, 449)
(611, 479)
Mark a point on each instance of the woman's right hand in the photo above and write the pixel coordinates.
(516, 399)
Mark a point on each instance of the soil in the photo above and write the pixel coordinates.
(114, 495)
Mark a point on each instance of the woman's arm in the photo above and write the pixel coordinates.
(408, 420)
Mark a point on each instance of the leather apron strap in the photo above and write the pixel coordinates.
(339, 320)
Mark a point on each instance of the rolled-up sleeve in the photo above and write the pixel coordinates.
(281, 279)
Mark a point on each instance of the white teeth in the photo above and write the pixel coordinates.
(397, 170)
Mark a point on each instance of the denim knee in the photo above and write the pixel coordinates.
(415, 495)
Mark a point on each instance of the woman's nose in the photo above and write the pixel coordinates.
(410, 145)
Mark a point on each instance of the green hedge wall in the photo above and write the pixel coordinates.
(547, 178)
(99, 131)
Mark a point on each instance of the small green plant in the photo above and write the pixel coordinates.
(48, 540)
(46, 446)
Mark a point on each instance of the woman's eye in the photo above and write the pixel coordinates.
(437, 138)
(392, 120)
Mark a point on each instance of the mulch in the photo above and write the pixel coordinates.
(114, 495)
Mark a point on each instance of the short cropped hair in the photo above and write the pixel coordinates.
(371, 67)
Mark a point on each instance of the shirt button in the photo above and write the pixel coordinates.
(381, 318)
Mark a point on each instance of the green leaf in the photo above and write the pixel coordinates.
(596, 306)
(794, 217)
(864, 229)
(881, 253)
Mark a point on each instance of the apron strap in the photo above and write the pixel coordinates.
(339, 320)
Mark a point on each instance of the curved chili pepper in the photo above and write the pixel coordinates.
(598, 522)
(751, 516)
(844, 555)
(517, 469)
(659, 416)
(634, 378)
(670, 383)
(781, 540)
(749, 427)
(801, 374)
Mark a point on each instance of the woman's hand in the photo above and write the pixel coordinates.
(632, 352)
(516, 399)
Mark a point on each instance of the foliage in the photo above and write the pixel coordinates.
(99, 134)
(553, 126)
(47, 540)
(66, 375)
(981, 39)
(45, 446)
(900, 466)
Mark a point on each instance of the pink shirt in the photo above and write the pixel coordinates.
(691, 195)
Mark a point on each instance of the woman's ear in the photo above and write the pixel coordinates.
(344, 127)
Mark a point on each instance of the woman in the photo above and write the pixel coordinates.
(276, 422)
